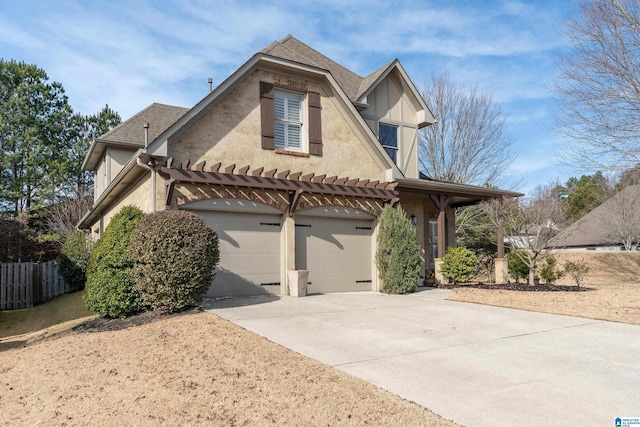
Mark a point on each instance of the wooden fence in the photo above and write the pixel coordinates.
(25, 284)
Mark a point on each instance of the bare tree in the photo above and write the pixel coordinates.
(63, 217)
(622, 215)
(529, 225)
(469, 143)
(598, 87)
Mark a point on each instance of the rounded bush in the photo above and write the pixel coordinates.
(398, 254)
(175, 255)
(458, 264)
(73, 262)
(110, 289)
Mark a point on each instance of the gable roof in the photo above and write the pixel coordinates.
(596, 227)
(353, 85)
(285, 54)
(130, 133)
(292, 49)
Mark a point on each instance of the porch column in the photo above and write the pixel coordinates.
(501, 264)
(442, 202)
(288, 252)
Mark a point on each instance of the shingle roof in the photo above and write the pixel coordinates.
(597, 228)
(292, 49)
(366, 83)
(159, 117)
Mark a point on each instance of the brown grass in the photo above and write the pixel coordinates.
(184, 370)
(614, 278)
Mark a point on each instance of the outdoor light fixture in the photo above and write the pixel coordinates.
(414, 220)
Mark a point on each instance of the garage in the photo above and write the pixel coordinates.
(335, 245)
(249, 235)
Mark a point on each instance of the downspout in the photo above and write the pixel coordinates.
(149, 168)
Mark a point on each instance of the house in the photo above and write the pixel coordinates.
(614, 225)
(291, 160)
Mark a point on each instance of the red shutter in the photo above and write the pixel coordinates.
(315, 124)
(267, 118)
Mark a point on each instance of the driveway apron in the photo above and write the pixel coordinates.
(477, 365)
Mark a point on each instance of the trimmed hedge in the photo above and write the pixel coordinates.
(458, 263)
(73, 262)
(110, 289)
(175, 254)
(398, 254)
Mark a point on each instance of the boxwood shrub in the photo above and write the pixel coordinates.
(175, 254)
(458, 263)
(398, 253)
(110, 289)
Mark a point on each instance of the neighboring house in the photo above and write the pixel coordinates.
(614, 225)
(291, 160)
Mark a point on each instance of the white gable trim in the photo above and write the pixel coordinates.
(425, 115)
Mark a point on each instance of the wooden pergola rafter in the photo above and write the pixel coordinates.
(294, 183)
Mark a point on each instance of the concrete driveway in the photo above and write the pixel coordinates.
(474, 364)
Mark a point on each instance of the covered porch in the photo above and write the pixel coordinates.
(431, 206)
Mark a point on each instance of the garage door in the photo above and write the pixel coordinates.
(335, 249)
(249, 252)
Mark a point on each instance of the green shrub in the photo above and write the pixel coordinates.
(550, 271)
(518, 269)
(458, 264)
(110, 289)
(577, 270)
(175, 254)
(398, 254)
(74, 259)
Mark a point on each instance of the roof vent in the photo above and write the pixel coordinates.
(146, 135)
(210, 85)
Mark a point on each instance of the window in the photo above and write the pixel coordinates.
(288, 121)
(433, 242)
(388, 136)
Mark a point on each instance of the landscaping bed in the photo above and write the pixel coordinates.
(611, 291)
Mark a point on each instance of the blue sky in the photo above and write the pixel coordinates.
(129, 54)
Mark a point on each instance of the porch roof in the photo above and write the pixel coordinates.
(461, 194)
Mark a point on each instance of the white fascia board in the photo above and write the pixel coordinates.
(159, 147)
(373, 146)
(131, 164)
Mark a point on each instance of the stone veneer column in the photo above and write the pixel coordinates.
(438, 273)
(501, 270)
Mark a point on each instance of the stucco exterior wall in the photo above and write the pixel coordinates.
(139, 194)
(230, 133)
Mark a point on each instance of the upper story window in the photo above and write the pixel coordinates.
(288, 120)
(282, 114)
(388, 136)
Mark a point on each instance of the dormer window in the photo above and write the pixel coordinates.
(388, 136)
(288, 121)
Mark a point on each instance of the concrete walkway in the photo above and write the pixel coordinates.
(474, 364)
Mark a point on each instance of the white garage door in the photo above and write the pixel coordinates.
(249, 252)
(335, 249)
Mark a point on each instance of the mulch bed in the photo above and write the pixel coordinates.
(101, 324)
(523, 287)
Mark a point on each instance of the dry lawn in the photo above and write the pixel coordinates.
(614, 278)
(189, 369)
